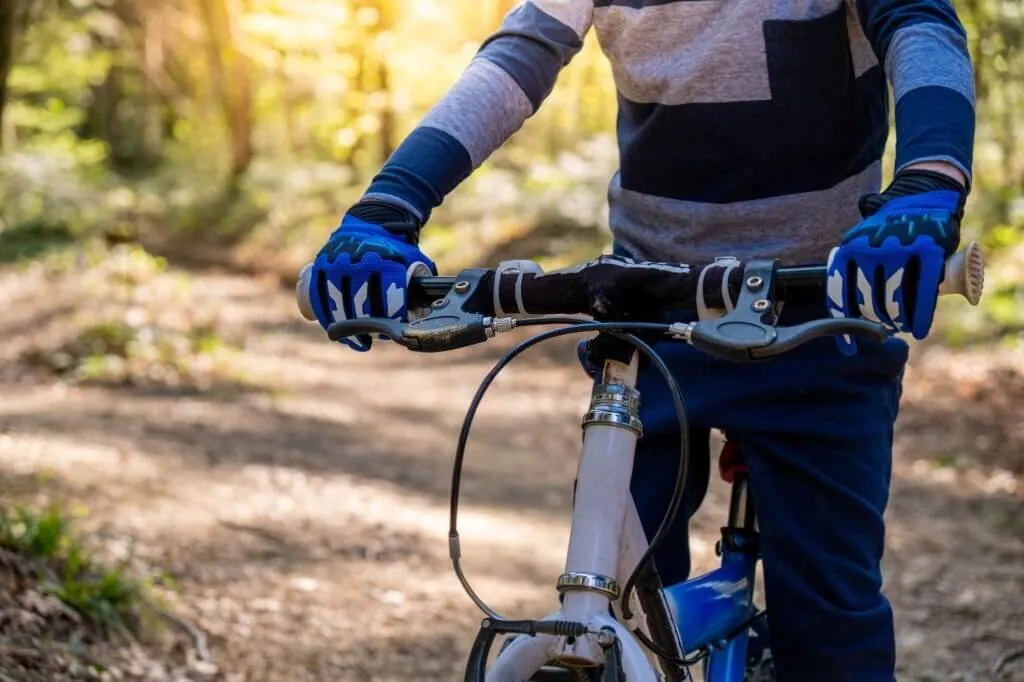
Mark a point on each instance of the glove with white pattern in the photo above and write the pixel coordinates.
(889, 267)
(365, 268)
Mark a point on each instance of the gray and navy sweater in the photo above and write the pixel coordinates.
(746, 127)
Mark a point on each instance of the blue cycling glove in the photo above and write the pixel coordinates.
(889, 267)
(365, 268)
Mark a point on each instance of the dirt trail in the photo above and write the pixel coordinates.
(303, 512)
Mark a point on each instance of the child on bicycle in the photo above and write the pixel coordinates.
(747, 128)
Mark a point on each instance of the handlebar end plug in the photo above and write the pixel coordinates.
(302, 293)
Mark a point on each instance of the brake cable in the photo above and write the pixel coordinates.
(576, 326)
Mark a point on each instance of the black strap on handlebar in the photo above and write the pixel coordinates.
(610, 287)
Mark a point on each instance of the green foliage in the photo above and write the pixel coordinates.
(31, 239)
(1002, 237)
(61, 60)
(1005, 306)
(107, 597)
(141, 326)
(41, 536)
(139, 351)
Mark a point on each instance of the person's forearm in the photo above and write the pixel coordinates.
(924, 48)
(503, 86)
(482, 110)
(943, 167)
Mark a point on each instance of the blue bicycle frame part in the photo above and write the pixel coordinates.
(709, 611)
(714, 611)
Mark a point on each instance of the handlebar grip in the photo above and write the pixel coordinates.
(302, 293)
(965, 274)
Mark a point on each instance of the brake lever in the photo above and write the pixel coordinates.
(367, 325)
(449, 324)
(791, 337)
(749, 334)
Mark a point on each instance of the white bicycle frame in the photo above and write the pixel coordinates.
(601, 551)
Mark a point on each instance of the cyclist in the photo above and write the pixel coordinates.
(747, 128)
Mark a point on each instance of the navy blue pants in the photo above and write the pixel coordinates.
(816, 431)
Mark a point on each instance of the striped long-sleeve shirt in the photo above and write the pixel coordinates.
(746, 127)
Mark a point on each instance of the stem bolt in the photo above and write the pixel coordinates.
(440, 303)
(755, 283)
(762, 305)
(606, 638)
(461, 287)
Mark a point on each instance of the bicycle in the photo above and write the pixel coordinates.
(706, 620)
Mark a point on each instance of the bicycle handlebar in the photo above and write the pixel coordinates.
(473, 307)
(965, 276)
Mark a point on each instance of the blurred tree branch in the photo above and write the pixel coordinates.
(9, 20)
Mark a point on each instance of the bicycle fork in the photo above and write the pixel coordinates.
(583, 633)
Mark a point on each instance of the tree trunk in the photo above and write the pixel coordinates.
(8, 30)
(231, 72)
(387, 113)
(1008, 147)
(971, 8)
(153, 66)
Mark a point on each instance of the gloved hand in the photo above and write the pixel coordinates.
(365, 268)
(889, 267)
